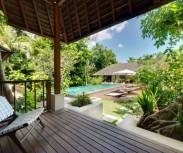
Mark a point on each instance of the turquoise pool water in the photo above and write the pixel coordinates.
(87, 89)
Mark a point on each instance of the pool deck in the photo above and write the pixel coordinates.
(102, 94)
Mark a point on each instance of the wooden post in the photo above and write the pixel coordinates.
(48, 95)
(57, 74)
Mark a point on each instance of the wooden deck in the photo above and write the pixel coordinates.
(68, 131)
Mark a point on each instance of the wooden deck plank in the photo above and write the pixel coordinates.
(42, 142)
(102, 135)
(26, 143)
(4, 142)
(120, 133)
(32, 141)
(49, 138)
(106, 142)
(68, 131)
(113, 134)
(13, 146)
(72, 135)
(83, 136)
(61, 134)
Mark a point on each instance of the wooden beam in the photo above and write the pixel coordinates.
(46, 5)
(77, 17)
(57, 74)
(63, 24)
(70, 21)
(60, 2)
(113, 10)
(98, 12)
(49, 1)
(86, 14)
(36, 11)
(156, 1)
(130, 6)
(4, 9)
(20, 3)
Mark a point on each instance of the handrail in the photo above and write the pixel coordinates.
(46, 105)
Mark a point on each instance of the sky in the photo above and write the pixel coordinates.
(125, 40)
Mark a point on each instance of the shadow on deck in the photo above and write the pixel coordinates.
(68, 131)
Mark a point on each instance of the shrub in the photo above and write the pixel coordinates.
(81, 100)
(180, 116)
(163, 95)
(96, 80)
(148, 102)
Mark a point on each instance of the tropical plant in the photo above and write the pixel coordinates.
(180, 116)
(96, 80)
(81, 100)
(148, 102)
(164, 23)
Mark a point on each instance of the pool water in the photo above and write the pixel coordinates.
(88, 89)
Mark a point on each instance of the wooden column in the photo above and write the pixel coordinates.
(57, 74)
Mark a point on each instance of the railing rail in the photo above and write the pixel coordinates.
(33, 86)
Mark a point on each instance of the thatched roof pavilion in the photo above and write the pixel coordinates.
(117, 67)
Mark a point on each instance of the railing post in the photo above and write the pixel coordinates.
(48, 95)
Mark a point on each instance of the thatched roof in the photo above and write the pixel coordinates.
(117, 67)
(5, 53)
(79, 18)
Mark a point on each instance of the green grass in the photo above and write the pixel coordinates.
(113, 108)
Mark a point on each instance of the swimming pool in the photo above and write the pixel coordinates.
(88, 89)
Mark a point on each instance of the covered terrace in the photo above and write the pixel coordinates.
(67, 21)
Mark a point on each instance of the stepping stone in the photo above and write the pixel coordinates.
(109, 118)
(124, 108)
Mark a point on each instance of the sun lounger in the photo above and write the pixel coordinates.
(114, 94)
(10, 122)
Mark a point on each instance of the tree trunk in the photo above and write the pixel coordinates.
(6, 89)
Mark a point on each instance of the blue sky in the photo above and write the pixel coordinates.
(125, 40)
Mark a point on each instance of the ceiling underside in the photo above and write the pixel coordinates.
(79, 18)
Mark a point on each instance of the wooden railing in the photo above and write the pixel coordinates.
(19, 91)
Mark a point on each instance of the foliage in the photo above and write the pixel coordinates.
(81, 100)
(164, 24)
(180, 116)
(96, 80)
(148, 102)
(103, 57)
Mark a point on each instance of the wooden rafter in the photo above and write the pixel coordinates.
(69, 18)
(20, 3)
(77, 17)
(46, 5)
(156, 1)
(60, 2)
(63, 24)
(113, 11)
(36, 11)
(98, 13)
(86, 14)
(4, 9)
(130, 6)
(49, 1)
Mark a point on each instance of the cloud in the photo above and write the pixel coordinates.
(103, 35)
(119, 27)
(106, 34)
(120, 45)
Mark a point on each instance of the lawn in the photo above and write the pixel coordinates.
(113, 108)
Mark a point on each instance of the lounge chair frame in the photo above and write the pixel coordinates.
(10, 122)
